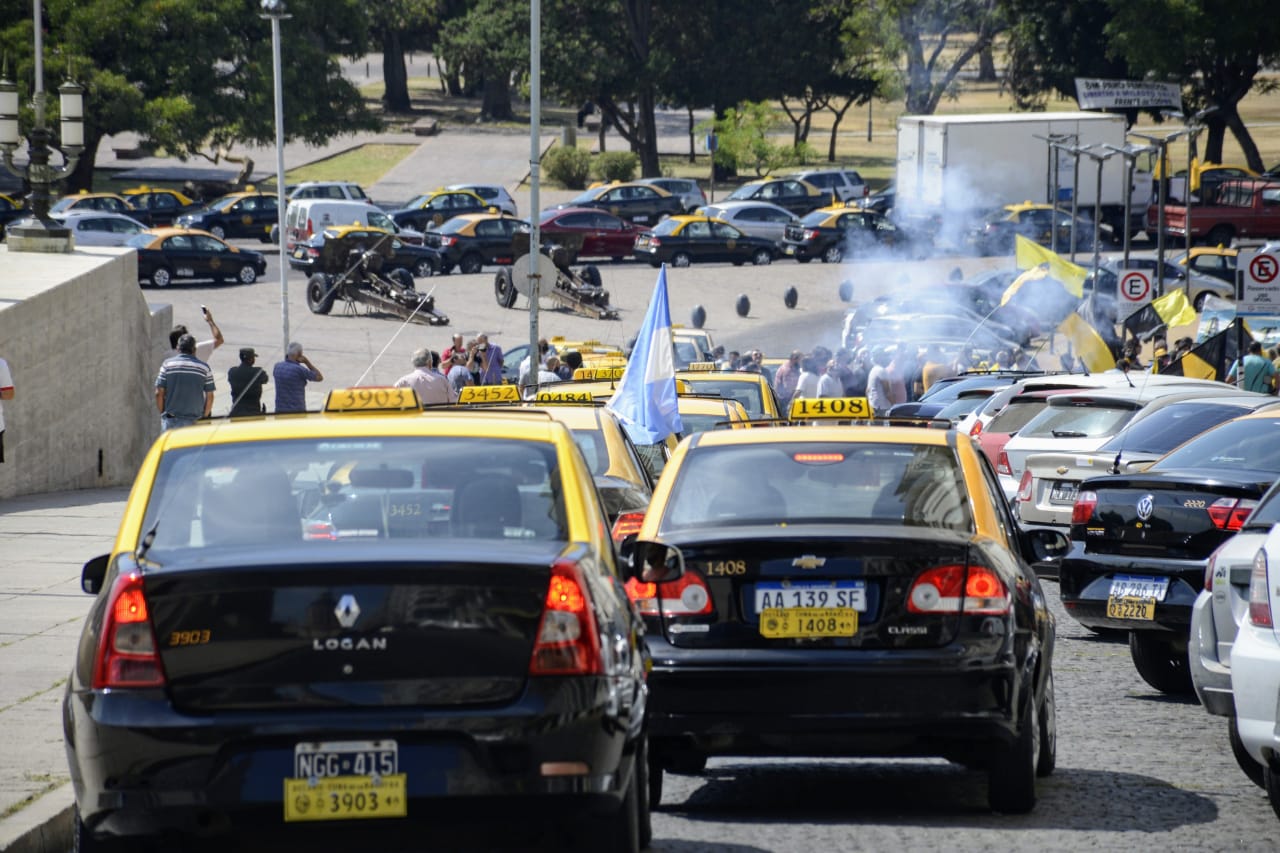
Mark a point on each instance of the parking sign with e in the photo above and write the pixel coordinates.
(1259, 283)
(1134, 287)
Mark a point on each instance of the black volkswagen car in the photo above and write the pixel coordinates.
(1140, 542)
(167, 255)
(329, 630)
(241, 214)
(474, 240)
(683, 240)
(833, 233)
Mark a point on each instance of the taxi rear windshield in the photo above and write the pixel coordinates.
(320, 493)
(746, 393)
(820, 483)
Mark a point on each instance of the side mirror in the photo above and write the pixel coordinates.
(654, 562)
(1045, 545)
(93, 573)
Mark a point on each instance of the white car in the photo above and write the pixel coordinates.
(100, 227)
(494, 194)
(1255, 667)
(753, 218)
(330, 190)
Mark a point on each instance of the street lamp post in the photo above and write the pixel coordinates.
(1161, 144)
(275, 10)
(39, 233)
(1053, 140)
(1130, 153)
(535, 168)
(1098, 160)
(1075, 151)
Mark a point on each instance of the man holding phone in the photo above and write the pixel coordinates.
(204, 349)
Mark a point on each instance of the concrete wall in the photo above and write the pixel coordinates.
(84, 347)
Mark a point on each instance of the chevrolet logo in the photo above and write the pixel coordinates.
(809, 561)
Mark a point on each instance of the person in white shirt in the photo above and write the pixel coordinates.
(6, 393)
(807, 384)
(431, 387)
(830, 383)
(204, 349)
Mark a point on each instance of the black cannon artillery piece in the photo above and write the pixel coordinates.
(353, 267)
(579, 291)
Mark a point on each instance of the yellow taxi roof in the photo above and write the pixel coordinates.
(657, 189)
(696, 405)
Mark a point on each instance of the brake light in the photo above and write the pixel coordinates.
(976, 429)
(566, 643)
(1082, 509)
(950, 589)
(655, 241)
(1002, 464)
(626, 524)
(448, 241)
(127, 655)
(686, 596)
(313, 252)
(310, 229)
(1230, 513)
(1024, 487)
(1259, 599)
(809, 234)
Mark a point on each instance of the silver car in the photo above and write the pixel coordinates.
(494, 194)
(691, 194)
(753, 218)
(100, 227)
(1216, 617)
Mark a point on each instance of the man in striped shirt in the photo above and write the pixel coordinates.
(184, 387)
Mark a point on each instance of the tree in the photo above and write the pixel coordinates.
(488, 45)
(1052, 42)
(400, 25)
(194, 78)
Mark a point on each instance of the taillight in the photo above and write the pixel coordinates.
(1259, 599)
(1230, 513)
(310, 229)
(448, 241)
(127, 655)
(1024, 487)
(950, 589)
(976, 429)
(655, 241)
(686, 596)
(1208, 571)
(626, 524)
(1002, 464)
(566, 643)
(313, 252)
(1082, 509)
(809, 234)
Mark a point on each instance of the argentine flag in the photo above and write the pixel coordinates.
(645, 398)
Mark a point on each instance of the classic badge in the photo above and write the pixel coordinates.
(1146, 504)
(347, 611)
(809, 561)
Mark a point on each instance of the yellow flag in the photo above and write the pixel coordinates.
(1033, 274)
(1031, 254)
(1087, 343)
(1174, 309)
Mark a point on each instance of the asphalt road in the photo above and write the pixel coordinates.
(1136, 769)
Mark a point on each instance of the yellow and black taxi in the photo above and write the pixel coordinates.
(997, 232)
(433, 209)
(796, 195)
(1217, 261)
(849, 590)
(420, 261)
(354, 621)
(701, 413)
(247, 214)
(154, 206)
(699, 339)
(473, 240)
(682, 240)
(632, 201)
(834, 233)
(752, 390)
(85, 200)
(11, 210)
(170, 254)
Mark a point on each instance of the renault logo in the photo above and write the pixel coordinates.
(809, 561)
(347, 611)
(1145, 505)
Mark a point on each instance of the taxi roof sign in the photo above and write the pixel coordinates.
(489, 394)
(564, 397)
(372, 400)
(592, 373)
(844, 408)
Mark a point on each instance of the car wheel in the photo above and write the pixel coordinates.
(591, 275)
(1272, 779)
(423, 268)
(832, 255)
(762, 257)
(642, 790)
(218, 231)
(1048, 758)
(83, 841)
(1011, 778)
(681, 259)
(803, 260)
(162, 277)
(1247, 762)
(504, 288)
(1198, 302)
(618, 832)
(471, 263)
(248, 275)
(617, 259)
(320, 293)
(653, 776)
(1161, 662)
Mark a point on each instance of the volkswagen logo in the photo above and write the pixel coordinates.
(1146, 504)
(347, 611)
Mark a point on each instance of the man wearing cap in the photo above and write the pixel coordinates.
(246, 380)
(184, 387)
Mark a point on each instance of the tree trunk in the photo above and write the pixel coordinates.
(496, 103)
(646, 142)
(81, 177)
(987, 65)
(395, 78)
(693, 142)
(1241, 132)
(835, 126)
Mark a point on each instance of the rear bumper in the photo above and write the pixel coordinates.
(934, 702)
(140, 768)
(1210, 675)
(800, 250)
(1255, 666)
(1085, 585)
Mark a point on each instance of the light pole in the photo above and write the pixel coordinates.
(39, 233)
(535, 170)
(1161, 144)
(1075, 151)
(1130, 153)
(1053, 140)
(275, 10)
(1098, 160)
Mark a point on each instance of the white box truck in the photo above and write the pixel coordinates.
(951, 167)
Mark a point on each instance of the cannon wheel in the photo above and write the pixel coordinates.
(591, 274)
(319, 294)
(504, 289)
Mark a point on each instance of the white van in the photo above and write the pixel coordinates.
(306, 217)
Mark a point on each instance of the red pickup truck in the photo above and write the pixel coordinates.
(1245, 207)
